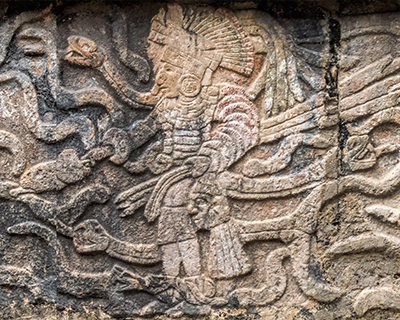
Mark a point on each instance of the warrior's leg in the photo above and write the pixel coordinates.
(171, 259)
(190, 253)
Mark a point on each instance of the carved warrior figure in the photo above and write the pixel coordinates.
(207, 126)
(187, 103)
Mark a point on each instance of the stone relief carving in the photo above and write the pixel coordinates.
(199, 162)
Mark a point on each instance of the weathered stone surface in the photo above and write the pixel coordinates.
(223, 161)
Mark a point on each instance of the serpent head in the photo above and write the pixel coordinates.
(90, 236)
(84, 52)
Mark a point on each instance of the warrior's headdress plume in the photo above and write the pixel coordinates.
(201, 40)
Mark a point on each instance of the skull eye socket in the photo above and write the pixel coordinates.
(31, 45)
(34, 51)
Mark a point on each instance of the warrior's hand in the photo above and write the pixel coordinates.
(199, 164)
(90, 237)
(134, 198)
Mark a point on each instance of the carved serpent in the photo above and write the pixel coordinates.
(84, 52)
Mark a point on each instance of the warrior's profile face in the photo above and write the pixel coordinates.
(167, 79)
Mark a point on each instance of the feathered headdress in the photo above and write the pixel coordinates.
(201, 39)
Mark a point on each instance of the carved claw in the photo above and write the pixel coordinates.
(91, 237)
(126, 280)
